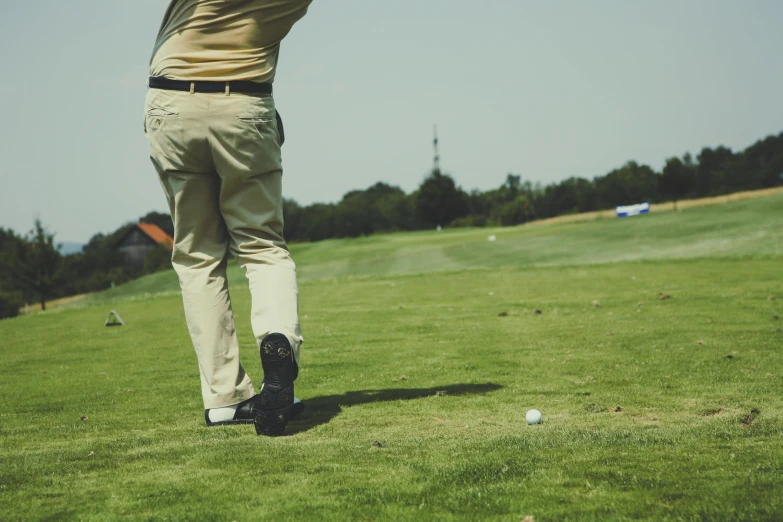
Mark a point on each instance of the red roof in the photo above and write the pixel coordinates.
(157, 234)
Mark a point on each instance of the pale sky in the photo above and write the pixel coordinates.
(547, 90)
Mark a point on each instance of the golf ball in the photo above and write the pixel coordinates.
(533, 417)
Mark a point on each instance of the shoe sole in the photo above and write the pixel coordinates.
(272, 423)
(275, 404)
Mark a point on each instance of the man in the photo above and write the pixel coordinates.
(215, 140)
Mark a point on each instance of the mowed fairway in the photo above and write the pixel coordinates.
(423, 352)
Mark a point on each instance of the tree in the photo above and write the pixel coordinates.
(632, 183)
(158, 258)
(8, 242)
(571, 195)
(516, 212)
(35, 264)
(292, 217)
(677, 179)
(763, 162)
(9, 306)
(711, 171)
(439, 201)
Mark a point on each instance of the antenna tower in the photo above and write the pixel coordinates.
(436, 159)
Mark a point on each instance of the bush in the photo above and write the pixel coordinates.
(473, 220)
(9, 305)
(157, 258)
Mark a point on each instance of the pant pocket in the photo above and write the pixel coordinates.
(280, 130)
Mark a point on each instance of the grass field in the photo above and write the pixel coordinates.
(430, 344)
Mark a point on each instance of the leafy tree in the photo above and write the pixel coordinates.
(568, 197)
(711, 171)
(34, 264)
(319, 222)
(158, 258)
(677, 179)
(762, 163)
(516, 212)
(439, 201)
(8, 242)
(397, 210)
(9, 305)
(632, 183)
(292, 216)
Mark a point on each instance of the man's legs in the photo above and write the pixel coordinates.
(246, 152)
(179, 151)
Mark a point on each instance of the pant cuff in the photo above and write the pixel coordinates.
(223, 401)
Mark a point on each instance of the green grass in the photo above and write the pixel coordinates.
(645, 414)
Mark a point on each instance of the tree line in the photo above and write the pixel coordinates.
(33, 270)
(439, 201)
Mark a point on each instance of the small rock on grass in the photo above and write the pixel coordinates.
(503, 314)
(83, 417)
(539, 312)
(377, 444)
(663, 296)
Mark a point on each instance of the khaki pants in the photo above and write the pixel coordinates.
(218, 159)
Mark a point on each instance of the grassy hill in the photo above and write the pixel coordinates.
(434, 345)
(745, 228)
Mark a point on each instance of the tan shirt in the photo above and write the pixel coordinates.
(223, 40)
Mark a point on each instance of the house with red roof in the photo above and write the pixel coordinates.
(135, 244)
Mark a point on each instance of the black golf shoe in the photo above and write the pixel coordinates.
(276, 403)
(244, 413)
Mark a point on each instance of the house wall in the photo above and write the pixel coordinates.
(134, 248)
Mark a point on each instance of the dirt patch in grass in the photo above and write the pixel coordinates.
(595, 408)
(749, 418)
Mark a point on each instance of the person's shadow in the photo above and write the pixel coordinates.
(320, 410)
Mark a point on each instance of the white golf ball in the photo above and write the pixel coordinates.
(533, 417)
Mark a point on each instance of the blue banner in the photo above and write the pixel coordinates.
(633, 210)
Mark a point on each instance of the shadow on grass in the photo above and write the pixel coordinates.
(320, 410)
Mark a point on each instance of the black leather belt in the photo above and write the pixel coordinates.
(158, 82)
